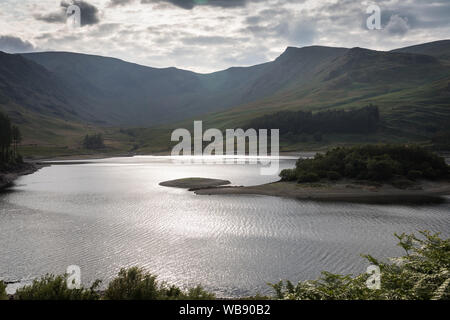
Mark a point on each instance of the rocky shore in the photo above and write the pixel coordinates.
(9, 175)
(342, 191)
(423, 192)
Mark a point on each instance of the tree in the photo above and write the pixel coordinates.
(93, 142)
(5, 138)
(17, 138)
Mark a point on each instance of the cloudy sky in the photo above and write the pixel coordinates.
(210, 35)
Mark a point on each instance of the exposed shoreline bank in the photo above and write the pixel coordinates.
(8, 177)
(425, 192)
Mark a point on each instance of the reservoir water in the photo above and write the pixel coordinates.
(103, 215)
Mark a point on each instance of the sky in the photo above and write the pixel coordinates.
(211, 35)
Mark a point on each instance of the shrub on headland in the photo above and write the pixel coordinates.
(371, 162)
(308, 177)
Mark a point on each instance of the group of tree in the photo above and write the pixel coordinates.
(370, 162)
(94, 142)
(421, 274)
(10, 137)
(130, 284)
(356, 121)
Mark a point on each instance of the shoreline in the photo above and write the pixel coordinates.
(158, 154)
(351, 192)
(7, 178)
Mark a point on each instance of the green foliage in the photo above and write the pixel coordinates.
(441, 140)
(333, 175)
(308, 177)
(422, 274)
(136, 284)
(133, 284)
(3, 295)
(10, 137)
(318, 137)
(381, 169)
(51, 287)
(415, 174)
(94, 142)
(198, 293)
(288, 175)
(371, 162)
(363, 120)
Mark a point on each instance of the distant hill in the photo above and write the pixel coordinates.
(130, 94)
(411, 87)
(439, 49)
(411, 90)
(28, 84)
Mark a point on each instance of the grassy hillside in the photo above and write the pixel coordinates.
(411, 91)
(58, 98)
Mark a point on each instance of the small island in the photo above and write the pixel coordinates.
(365, 174)
(195, 183)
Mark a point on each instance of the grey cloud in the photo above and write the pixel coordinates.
(52, 17)
(11, 44)
(116, 3)
(210, 40)
(397, 25)
(280, 23)
(190, 4)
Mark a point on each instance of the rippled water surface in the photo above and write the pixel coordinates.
(108, 214)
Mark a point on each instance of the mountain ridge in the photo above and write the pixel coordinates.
(103, 91)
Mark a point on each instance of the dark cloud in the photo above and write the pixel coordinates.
(189, 4)
(89, 13)
(52, 17)
(116, 3)
(11, 44)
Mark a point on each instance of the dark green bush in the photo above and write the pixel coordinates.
(133, 284)
(308, 177)
(3, 295)
(415, 174)
(136, 284)
(333, 175)
(382, 169)
(318, 137)
(51, 287)
(373, 162)
(288, 175)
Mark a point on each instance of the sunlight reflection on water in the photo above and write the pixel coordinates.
(106, 214)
